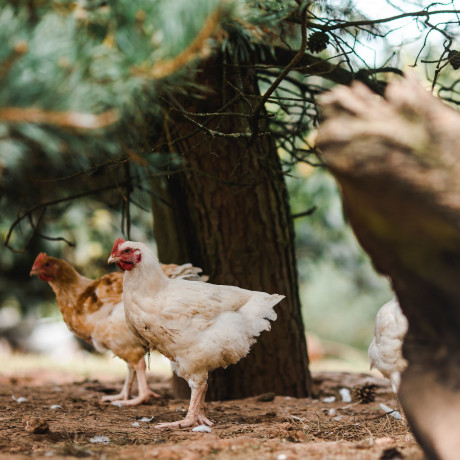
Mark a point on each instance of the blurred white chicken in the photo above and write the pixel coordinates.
(385, 350)
(198, 326)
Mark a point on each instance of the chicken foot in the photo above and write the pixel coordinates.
(195, 415)
(144, 392)
(126, 390)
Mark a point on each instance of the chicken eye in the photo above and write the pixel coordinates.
(127, 251)
(47, 264)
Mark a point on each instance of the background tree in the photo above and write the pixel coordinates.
(142, 103)
(234, 221)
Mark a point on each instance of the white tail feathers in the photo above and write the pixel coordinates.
(186, 272)
(230, 338)
(258, 312)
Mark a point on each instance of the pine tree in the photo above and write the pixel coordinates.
(185, 112)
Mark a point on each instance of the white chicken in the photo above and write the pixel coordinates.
(94, 311)
(198, 326)
(385, 350)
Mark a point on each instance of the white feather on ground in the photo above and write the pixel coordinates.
(385, 350)
(198, 326)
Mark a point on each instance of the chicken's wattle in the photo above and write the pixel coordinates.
(124, 265)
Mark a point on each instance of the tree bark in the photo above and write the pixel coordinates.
(398, 165)
(230, 214)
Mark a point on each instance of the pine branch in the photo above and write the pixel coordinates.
(308, 212)
(343, 24)
(87, 121)
(42, 206)
(414, 14)
(312, 65)
(197, 48)
(295, 60)
(214, 133)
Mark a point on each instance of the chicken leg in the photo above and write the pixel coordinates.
(122, 398)
(144, 392)
(195, 415)
(126, 390)
(201, 417)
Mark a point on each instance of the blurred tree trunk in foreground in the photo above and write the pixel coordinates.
(230, 215)
(397, 161)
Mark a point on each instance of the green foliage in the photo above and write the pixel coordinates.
(82, 87)
(78, 98)
(87, 61)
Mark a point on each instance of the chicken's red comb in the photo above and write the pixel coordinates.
(116, 245)
(39, 258)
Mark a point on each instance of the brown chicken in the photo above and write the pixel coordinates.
(94, 311)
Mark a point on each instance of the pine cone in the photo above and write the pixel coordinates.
(364, 393)
(317, 42)
(454, 59)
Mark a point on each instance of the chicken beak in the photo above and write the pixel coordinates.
(34, 271)
(113, 259)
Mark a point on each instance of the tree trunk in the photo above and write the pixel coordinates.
(230, 215)
(398, 164)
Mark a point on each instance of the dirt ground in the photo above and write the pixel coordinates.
(261, 427)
